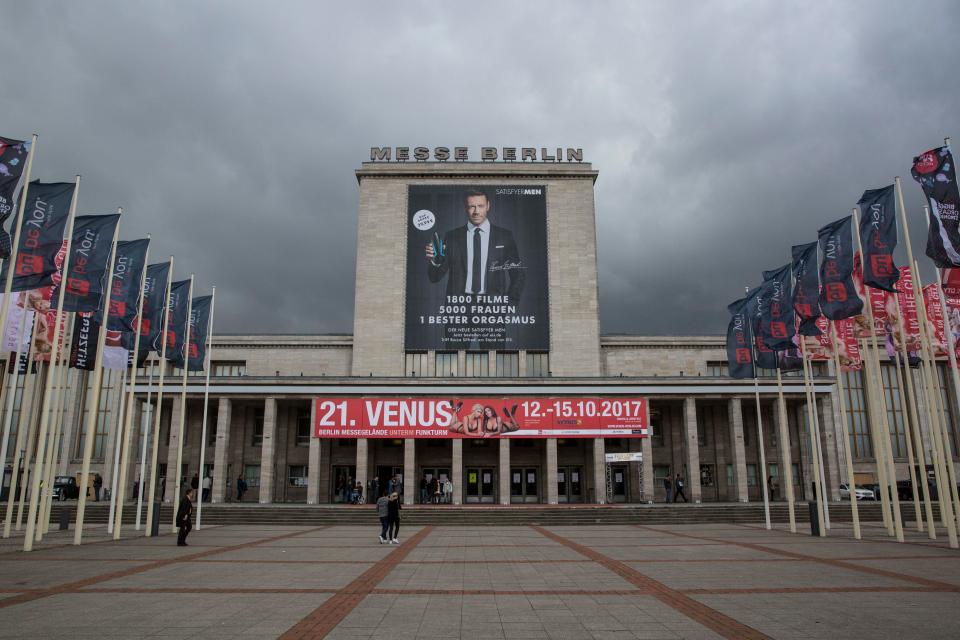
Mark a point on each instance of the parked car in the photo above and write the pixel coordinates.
(862, 493)
(65, 488)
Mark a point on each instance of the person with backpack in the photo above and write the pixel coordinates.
(678, 483)
(383, 514)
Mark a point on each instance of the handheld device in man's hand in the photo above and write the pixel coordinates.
(438, 249)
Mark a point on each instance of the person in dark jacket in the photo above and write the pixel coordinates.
(393, 518)
(97, 485)
(241, 487)
(183, 518)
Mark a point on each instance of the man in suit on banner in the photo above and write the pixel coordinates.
(479, 257)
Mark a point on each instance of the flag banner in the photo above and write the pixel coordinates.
(177, 324)
(936, 325)
(790, 359)
(777, 325)
(819, 347)
(128, 269)
(13, 161)
(115, 356)
(765, 357)
(739, 348)
(483, 417)
(950, 279)
(38, 301)
(150, 324)
(197, 345)
(83, 345)
(849, 353)
(935, 172)
(905, 305)
(89, 259)
(806, 287)
(16, 315)
(838, 295)
(41, 235)
(878, 236)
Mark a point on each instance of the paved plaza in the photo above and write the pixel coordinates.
(624, 581)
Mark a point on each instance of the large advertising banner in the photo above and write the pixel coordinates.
(486, 417)
(477, 268)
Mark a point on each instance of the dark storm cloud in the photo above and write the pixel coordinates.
(230, 131)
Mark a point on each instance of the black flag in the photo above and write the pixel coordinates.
(89, 258)
(806, 287)
(177, 323)
(151, 323)
(777, 322)
(935, 172)
(128, 269)
(878, 236)
(739, 338)
(758, 307)
(13, 160)
(838, 298)
(199, 331)
(83, 345)
(41, 235)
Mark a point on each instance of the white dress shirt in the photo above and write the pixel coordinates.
(484, 243)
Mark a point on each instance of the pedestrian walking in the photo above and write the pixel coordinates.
(383, 513)
(195, 483)
(393, 518)
(241, 487)
(207, 486)
(97, 485)
(183, 518)
(448, 492)
(678, 483)
(668, 488)
(423, 490)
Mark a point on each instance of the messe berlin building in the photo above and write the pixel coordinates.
(477, 356)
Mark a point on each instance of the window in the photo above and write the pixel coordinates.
(730, 481)
(103, 415)
(751, 475)
(656, 428)
(416, 366)
(149, 368)
(251, 473)
(718, 369)
(706, 475)
(446, 364)
(297, 477)
(856, 408)
(257, 439)
(228, 368)
(660, 471)
(303, 428)
(478, 364)
(508, 364)
(796, 473)
(896, 419)
(538, 364)
(774, 473)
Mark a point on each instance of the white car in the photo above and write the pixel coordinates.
(862, 493)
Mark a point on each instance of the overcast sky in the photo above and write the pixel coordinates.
(723, 132)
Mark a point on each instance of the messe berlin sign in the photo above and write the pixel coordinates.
(481, 417)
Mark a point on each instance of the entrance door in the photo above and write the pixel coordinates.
(480, 483)
(618, 481)
(430, 474)
(384, 474)
(343, 476)
(524, 484)
(570, 484)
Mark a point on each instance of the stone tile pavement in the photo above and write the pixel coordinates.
(571, 582)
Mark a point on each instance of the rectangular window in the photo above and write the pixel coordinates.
(298, 475)
(795, 469)
(416, 366)
(103, 414)
(257, 439)
(478, 364)
(751, 475)
(508, 364)
(730, 481)
(228, 368)
(538, 364)
(660, 471)
(303, 428)
(706, 475)
(896, 418)
(446, 364)
(717, 369)
(251, 473)
(856, 408)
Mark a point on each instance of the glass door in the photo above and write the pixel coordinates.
(342, 484)
(480, 484)
(570, 484)
(618, 476)
(524, 484)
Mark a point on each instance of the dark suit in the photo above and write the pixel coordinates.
(504, 271)
(183, 520)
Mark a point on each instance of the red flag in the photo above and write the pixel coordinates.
(849, 354)
(935, 323)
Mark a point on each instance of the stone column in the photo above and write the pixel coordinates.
(552, 471)
(737, 448)
(173, 444)
(456, 470)
(313, 462)
(221, 483)
(829, 446)
(410, 471)
(362, 459)
(646, 447)
(504, 473)
(599, 471)
(268, 450)
(693, 449)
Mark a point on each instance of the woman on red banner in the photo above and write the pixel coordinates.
(493, 425)
(472, 424)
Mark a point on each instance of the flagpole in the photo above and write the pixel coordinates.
(26, 401)
(57, 345)
(906, 432)
(931, 380)
(156, 418)
(58, 431)
(93, 411)
(183, 402)
(763, 457)
(816, 431)
(854, 507)
(12, 383)
(948, 335)
(117, 444)
(787, 475)
(144, 438)
(814, 450)
(32, 422)
(46, 494)
(206, 400)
